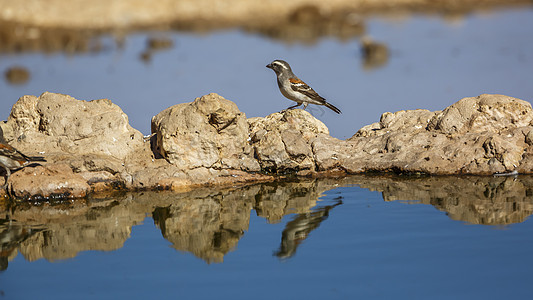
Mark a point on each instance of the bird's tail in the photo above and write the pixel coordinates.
(36, 158)
(332, 107)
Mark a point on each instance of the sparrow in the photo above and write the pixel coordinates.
(295, 89)
(12, 159)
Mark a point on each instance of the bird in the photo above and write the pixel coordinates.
(12, 159)
(295, 89)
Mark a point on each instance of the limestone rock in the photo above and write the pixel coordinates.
(210, 132)
(282, 141)
(331, 153)
(492, 113)
(90, 147)
(56, 123)
(479, 135)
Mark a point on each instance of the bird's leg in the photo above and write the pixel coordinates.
(297, 104)
(305, 105)
(8, 173)
(286, 109)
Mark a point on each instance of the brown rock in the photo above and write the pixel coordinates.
(45, 182)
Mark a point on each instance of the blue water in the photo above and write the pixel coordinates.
(364, 247)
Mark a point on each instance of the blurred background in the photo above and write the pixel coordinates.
(365, 57)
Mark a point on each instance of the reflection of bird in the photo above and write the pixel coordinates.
(12, 159)
(299, 228)
(11, 237)
(295, 89)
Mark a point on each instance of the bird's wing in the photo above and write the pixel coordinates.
(299, 86)
(8, 151)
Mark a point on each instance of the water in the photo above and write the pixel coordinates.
(357, 237)
(433, 63)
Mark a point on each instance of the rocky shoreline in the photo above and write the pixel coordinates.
(131, 14)
(90, 147)
(75, 26)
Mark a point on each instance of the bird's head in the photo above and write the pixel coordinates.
(279, 66)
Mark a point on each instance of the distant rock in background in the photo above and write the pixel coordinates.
(77, 26)
(153, 45)
(375, 54)
(17, 75)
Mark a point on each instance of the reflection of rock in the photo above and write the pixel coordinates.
(476, 200)
(208, 228)
(62, 230)
(299, 228)
(273, 201)
(205, 222)
(17, 75)
(209, 223)
(375, 54)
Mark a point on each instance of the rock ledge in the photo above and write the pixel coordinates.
(91, 148)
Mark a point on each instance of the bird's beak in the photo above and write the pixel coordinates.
(269, 66)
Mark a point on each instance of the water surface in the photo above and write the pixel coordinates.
(367, 237)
